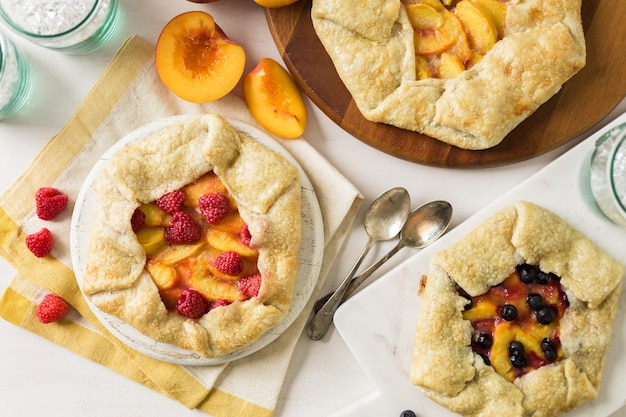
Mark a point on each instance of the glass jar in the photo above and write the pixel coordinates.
(71, 26)
(607, 174)
(15, 78)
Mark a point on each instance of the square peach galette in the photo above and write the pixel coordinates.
(516, 317)
(465, 72)
(195, 237)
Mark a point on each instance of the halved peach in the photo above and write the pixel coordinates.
(196, 60)
(271, 4)
(274, 100)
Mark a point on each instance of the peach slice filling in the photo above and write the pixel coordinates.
(176, 267)
(516, 323)
(452, 36)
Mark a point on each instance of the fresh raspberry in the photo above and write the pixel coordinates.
(214, 206)
(40, 243)
(52, 308)
(218, 303)
(245, 236)
(183, 229)
(250, 285)
(229, 263)
(192, 304)
(138, 220)
(49, 202)
(171, 202)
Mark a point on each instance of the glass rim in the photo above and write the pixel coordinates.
(620, 143)
(3, 48)
(27, 33)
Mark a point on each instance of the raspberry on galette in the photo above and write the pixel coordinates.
(195, 237)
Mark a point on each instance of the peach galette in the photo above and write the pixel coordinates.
(465, 72)
(195, 237)
(516, 317)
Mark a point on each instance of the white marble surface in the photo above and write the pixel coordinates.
(39, 378)
(379, 325)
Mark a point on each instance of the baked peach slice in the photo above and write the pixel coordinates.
(274, 100)
(480, 28)
(196, 60)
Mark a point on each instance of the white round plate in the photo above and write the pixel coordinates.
(309, 257)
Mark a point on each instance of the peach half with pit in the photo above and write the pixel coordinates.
(196, 60)
(274, 100)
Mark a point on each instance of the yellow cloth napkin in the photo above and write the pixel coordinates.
(128, 95)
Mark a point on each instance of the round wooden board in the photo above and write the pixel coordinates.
(582, 102)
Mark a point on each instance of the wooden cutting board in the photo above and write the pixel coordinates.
(582, 102)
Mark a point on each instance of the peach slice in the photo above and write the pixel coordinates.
(152, 239)
(196, 60)
(274, 100)
(154, 215)
(423, 17)
(450, 66)
(422, 68)
(225, 242)
(480, 28)
(164, 276)
(496, 10)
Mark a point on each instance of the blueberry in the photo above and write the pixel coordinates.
(527, 273)
(470, 304)
(484, 340)
(546, 315)
(518, 361)
(549, 349)
(534, 301)
(516, 348)
(543, 278)
(508, 312)
(407, 413)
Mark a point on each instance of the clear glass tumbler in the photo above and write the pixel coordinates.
(606, 174)
(70, 26)
(15, 78)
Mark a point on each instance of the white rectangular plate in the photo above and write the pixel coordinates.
(378, 324)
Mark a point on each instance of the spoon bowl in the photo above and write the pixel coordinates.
(424, 225)
(383, 220)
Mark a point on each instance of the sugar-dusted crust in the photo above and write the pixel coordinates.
(445, 366)
(372, 49)
(267, 190)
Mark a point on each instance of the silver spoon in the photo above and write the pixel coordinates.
(383, 221)
(425, 225)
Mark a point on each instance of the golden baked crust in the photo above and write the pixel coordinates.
(372, 48)
(266, 188)
(444, 364)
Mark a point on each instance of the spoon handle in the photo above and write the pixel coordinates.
(320, 323)
(358, 280)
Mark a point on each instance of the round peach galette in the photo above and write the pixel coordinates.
(465, 72)
(195, 239)
(516, 317)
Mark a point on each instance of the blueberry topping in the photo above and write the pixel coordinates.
(407, 413)
(543, 278)
(516, 348)
(484, 340)
(508, 312)
(549, 349)
(470, 304)
(527, 273)
(519, 361)
(546, 315)
(534, 301)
